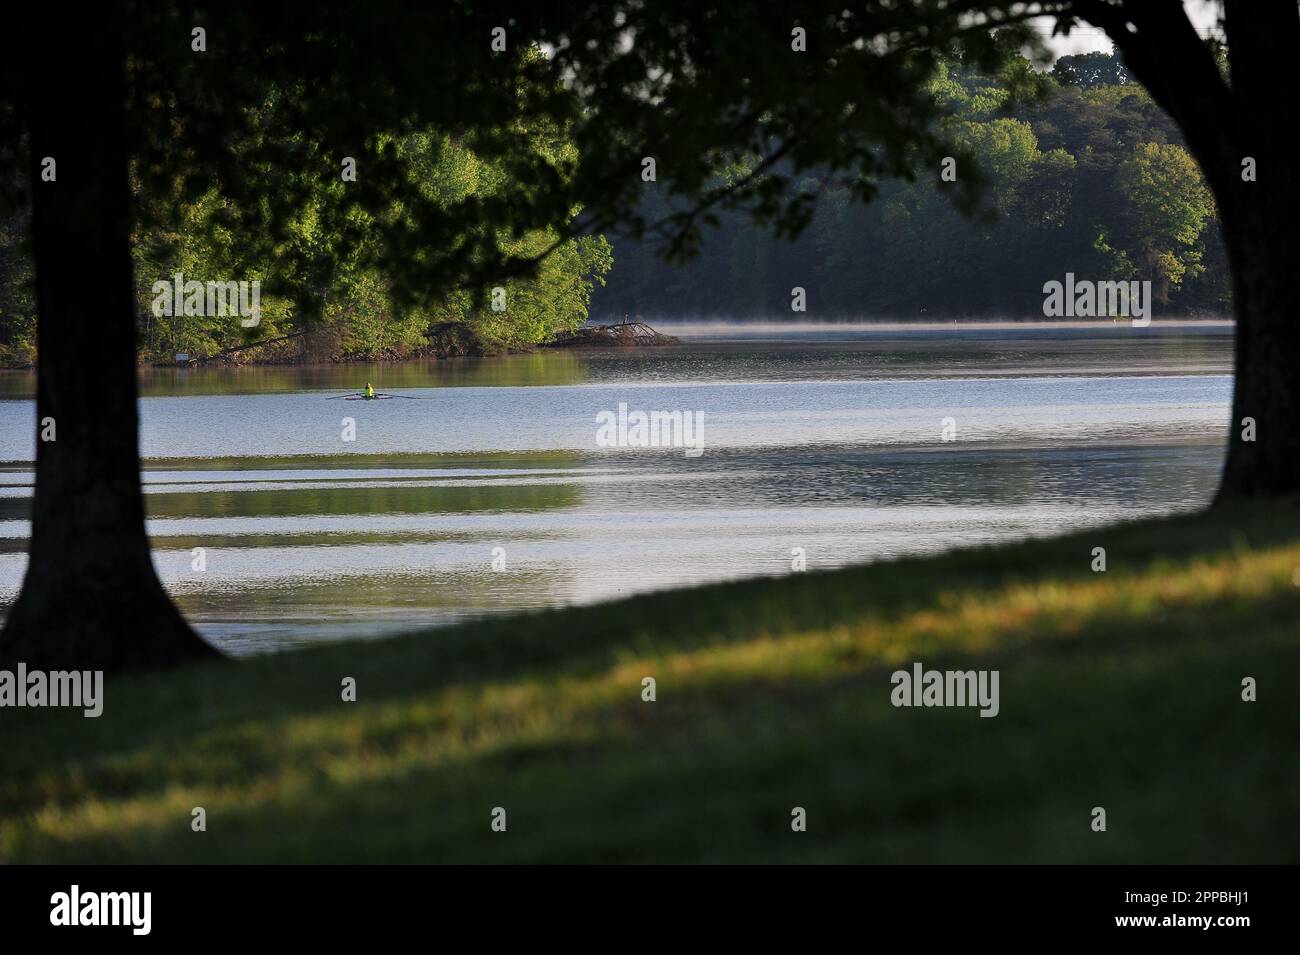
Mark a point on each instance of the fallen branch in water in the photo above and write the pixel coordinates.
(619, 334)
(198, 360)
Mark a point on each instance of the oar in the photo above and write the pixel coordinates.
(385, 394)
(348, 395)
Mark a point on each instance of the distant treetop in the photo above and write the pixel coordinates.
(1091, 69)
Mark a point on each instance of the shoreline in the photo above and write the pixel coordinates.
(691, 330)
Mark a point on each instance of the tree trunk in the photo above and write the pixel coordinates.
(1259, 233)
(1260, 219)
(1224, 125)
(91, 598)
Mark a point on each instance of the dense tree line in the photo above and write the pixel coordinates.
(358, 316)
(1090, 177)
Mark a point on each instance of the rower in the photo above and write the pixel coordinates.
(370, 391)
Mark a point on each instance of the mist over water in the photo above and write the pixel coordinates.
(825, 438)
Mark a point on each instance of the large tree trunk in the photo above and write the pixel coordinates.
(91, 598)
(1260, 220)
(1259, 232)
(1226, 123)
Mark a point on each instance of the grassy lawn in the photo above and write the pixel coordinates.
(1119, 689)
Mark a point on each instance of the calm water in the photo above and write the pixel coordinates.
(825, 438)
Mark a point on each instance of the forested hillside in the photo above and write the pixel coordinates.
(1091, 179)
(359, 317)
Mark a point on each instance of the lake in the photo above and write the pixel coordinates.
(486, 489)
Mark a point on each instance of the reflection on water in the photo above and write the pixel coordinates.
(490, 493)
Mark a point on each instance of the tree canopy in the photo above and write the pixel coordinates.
(1094, 181)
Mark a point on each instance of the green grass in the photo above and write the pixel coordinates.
(1120, 690)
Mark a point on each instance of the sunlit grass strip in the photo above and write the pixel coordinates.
(120, 798)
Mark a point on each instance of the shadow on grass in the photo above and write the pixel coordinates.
(1119, 690)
